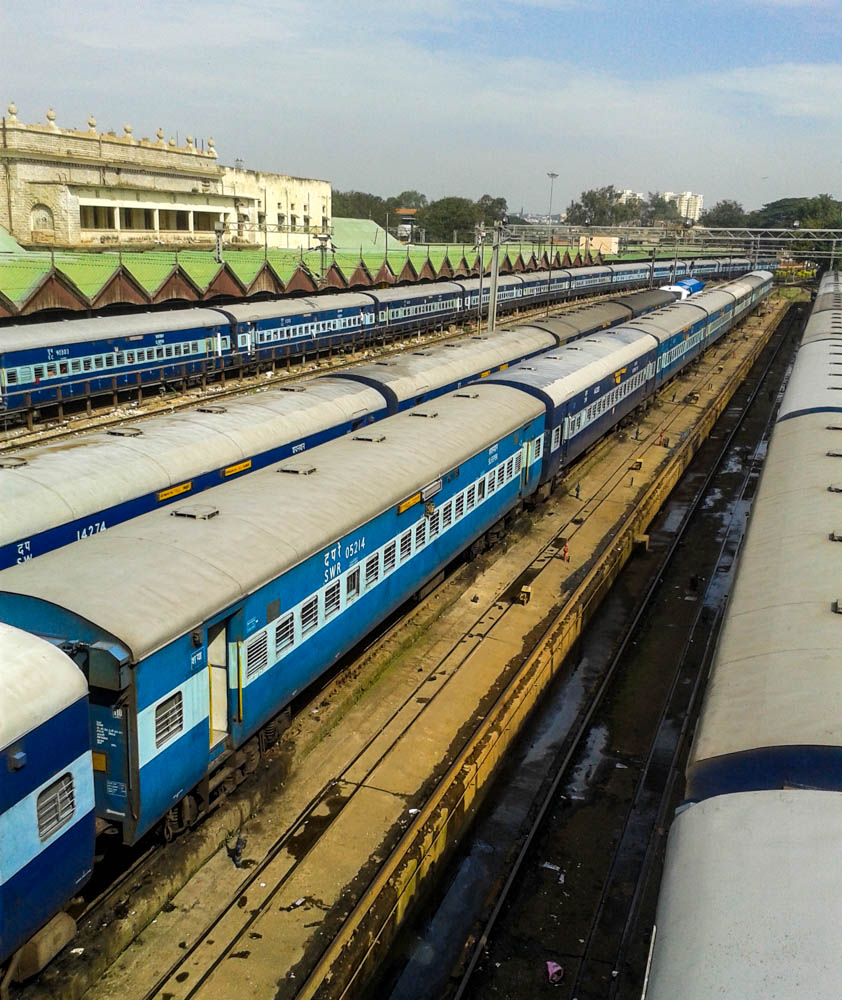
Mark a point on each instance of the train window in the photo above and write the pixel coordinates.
(510, 465)
(121, 358)
(159, 353)
(434, 525)
(539, 447)
(76, 366)
(332, 597)
(406, 545)
(389, 558)
(492, 484)
(309, 615)
(109, 360)
(470, 497)
(52, 371)
(459, 506)
(99, 361)
(12, 376)
(257, 654)
(481, 490)
(420, 530)
(55, 806)
(169, 718)
(39, 371)
(176, 350)
(352, 585)
(284, 633)
(372, 570)
(446, 516)
(556, 440)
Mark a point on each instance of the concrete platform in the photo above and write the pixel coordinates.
(402, 719)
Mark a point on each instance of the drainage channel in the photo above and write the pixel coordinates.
(576, 885)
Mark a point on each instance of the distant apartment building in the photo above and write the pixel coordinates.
(74, 188)
(627, 195)
(689, 205)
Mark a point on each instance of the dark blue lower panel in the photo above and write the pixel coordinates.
(44, 887)
(766, 768)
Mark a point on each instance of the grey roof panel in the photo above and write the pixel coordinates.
(413, 291)
(411, 375)
(92, 472)
(751, 900)
(252, 312)
(37, 681)
(775, 677)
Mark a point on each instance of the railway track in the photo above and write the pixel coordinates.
(49, 433)
(598, 967)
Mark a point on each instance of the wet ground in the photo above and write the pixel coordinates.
(565, 903)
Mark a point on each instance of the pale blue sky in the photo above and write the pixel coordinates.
(733, 98)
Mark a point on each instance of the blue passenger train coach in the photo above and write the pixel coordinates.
(46, 786)
(48, 362)
(185, 676)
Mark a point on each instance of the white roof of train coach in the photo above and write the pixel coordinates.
(85, 475)
(751, 900)
(37, 681)
(775, 676)
(410, 375)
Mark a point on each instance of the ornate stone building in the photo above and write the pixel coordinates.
(70, 188)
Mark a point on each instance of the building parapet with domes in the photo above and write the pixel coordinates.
(84, 188)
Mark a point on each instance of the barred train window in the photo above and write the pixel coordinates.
(55, 806)
(459, 506)
(309, 615)
(284, 633)
(406, 545)
(169, 718)
(434, 524)
(332, 600)
(372, 570)
(420, 528)
(257, 654)
(389, 557)
(352, 584)
(446, 515)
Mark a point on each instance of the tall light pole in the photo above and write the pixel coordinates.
(552, 176)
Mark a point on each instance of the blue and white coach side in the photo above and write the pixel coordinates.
(260, 328)
(46, 786)
(86, 356)
(230, 606)
(587, 387)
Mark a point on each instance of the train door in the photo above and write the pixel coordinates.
(218, 682)
(245, 342)
(525, 451)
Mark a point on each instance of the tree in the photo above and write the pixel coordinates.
(658, 209)
(724, 213)
(448, 215)
(359, 205)
(819, 212)
(602, 207)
